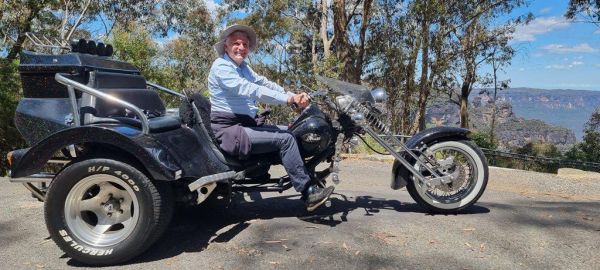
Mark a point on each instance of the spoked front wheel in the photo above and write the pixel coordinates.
(467, 171)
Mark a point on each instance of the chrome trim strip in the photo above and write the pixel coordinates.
(164, 89)
(38, 177)
(35, 191)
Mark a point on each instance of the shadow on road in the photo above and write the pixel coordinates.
(193, 229)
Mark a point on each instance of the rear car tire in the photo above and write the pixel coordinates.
(105, 212)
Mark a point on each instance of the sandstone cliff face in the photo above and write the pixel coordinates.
(511, 131)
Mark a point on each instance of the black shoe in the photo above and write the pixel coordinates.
(314, 196)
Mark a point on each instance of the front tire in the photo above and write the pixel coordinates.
(471, 170)
(104, 212)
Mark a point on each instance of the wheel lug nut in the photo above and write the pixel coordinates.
(121, 200)
(109, 214)
(121, 211)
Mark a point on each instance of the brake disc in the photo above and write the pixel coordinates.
(457, 181)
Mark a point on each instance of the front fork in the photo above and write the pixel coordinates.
(434, 180)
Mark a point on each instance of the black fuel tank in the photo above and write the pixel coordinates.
(313, 131)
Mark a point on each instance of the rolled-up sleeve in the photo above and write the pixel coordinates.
(230, 80)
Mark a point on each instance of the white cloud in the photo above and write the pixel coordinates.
(559, 48)
(545, 10)
(539, 26)
(556, 66)
(597, 31)
(569, 66)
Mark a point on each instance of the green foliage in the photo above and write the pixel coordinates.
(136, 46)
(532, 157)
(10, 93)
(362, 147)
(589, 10)
(589, 148)
(483, 140)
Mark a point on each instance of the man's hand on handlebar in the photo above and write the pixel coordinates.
(300, 100)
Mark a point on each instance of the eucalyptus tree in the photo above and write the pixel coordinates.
(476, 31)
(351, 19)
(499, 57)
(61, 20)
(587, 10)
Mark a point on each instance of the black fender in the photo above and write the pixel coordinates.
(157, 161)
(401, 175)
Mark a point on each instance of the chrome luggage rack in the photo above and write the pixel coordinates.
(53, 46)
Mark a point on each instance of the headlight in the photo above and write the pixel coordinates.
(358, 117)
(379, 95)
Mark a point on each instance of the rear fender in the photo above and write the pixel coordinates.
(148, 152)
(401, 175)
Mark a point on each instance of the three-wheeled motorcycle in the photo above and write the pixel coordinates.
(121, 159)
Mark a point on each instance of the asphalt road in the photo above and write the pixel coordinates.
(523, 221)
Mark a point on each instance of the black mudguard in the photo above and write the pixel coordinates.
(166, 156)
(401, 175)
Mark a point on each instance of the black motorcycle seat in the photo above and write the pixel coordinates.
(156, 124)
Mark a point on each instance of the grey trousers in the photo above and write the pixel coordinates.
(277, 139)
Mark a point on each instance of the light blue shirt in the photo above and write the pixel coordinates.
(236, 89)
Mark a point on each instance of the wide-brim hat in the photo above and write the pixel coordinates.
(220, 46)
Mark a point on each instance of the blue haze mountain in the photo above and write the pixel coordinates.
(526, 115)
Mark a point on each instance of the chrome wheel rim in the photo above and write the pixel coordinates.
(459, 188)
(101, 210)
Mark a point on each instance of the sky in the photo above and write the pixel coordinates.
(553, 53)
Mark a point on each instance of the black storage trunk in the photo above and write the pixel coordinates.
(38, 71)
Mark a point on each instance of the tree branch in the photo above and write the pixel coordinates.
(78, 21)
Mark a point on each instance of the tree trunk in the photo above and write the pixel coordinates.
(410, 86)
(313, 52)
(419, 123)
(323, 31)
(493, 125)
(343, 49)
(469, 54)
(363, 30)
(464, 105)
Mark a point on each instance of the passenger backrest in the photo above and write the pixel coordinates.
(128, 87)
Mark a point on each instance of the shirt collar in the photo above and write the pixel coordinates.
(226, 57)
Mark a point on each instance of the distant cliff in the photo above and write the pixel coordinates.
(512, 131)
(565, 108)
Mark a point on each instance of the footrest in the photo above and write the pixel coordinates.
(210, 179)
